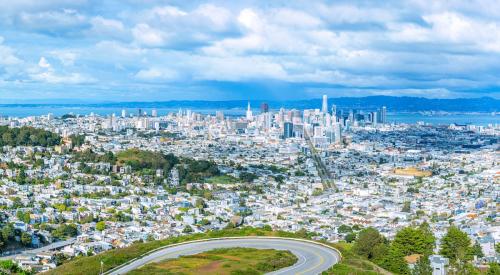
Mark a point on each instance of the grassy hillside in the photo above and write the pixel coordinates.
(223, 261)
(353, 264)
(116, 257)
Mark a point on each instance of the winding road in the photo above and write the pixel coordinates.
(313, 258)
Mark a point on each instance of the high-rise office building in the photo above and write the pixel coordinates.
(324, 107)
(383, 115)
(124, 113)
(219, 115)
(264, 107)
(334, 110)
(288, 130)
(249, 112)
(154, 113)
(374, 118)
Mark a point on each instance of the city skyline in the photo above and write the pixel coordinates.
(212, 50)
(104, 184)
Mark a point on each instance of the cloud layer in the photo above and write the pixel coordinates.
(153, 50)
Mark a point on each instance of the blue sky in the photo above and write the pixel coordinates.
(133, 50)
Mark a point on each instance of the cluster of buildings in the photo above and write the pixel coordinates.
(386, 176)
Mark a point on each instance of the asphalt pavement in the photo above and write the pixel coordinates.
(313, 258)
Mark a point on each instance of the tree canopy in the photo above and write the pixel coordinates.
(27, 136)
(456, 245)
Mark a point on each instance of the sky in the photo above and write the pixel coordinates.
(147, 50)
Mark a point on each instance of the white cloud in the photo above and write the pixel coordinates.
(219, 18)
(53, 21)
(156, 74)
(7, 55)
(343, 13)
(278, 33)
(35, 5)
(148, 36)
(45, 72)
(109, 28)
(296, 19)
(67, 58)
(454, 29)
(237, 68)
(53, 78)
(167, 12)
(450, 44)
(249, 19)
(43, 63)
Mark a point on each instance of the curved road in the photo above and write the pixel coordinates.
(313, 258)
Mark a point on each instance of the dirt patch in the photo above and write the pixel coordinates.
(234, 258)
(210, 268)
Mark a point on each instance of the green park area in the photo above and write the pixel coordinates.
(222, 179)
(225, 261)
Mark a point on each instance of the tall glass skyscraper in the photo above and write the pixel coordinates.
(324, 108)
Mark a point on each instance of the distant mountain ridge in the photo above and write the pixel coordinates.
(409, 104)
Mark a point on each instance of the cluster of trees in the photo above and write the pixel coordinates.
(350, 232)
(146, 162)
(64, 231)
(27, 136)
(77, 140)
(455, 245)
(8, 235)
(10, 267)
(140, 159)
(248, 177)
(68, 116)
(192, 170)
(91, 156)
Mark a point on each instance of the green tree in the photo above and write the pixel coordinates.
(200, 203)
(367, 242)
(65, 230)
(8, 232)
(100, 225)
(16, 203)
(23, 216)
(414, 241)
(406, 207)
(21, 177)
(494, 269)
(422, 267)
(187, 229)
(8, 267)
(350, 237)
(477, 250)
(344, 229)
(248, 177)
(394, 261)
(426, 228)
(456, 245)
(26, 239)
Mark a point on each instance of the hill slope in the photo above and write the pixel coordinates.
(350, 264)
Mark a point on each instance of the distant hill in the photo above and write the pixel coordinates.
(409, 104)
